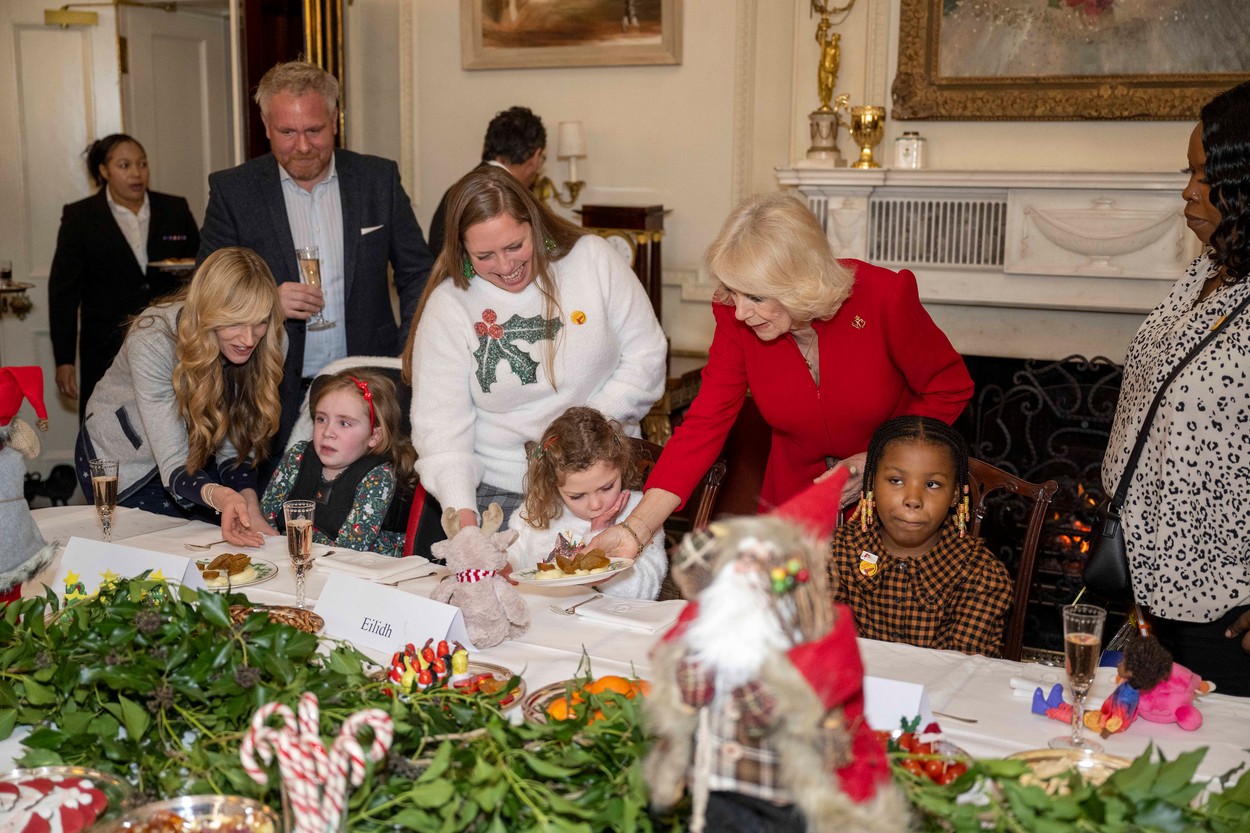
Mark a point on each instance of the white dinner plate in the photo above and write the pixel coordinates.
(617, 565)
(265, 570)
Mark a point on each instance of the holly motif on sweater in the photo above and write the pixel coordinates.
(496, 343)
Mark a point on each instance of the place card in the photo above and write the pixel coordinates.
(888, 702)
(86, 564)
(384, 618)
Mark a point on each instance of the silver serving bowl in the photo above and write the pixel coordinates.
(118, 792)
(200, 814)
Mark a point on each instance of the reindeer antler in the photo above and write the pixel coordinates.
(451, 522)
(492, 519)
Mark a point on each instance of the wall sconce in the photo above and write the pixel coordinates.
(570, 145)
(12, 293)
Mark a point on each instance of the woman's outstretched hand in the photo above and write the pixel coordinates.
(615, 543)
(854, 483)
(236, 523)
(1241, 628)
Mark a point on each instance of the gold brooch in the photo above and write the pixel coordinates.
(858, 323)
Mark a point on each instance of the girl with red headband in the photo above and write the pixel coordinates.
(351, 466)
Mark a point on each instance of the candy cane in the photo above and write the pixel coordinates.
(348, 759)
(263, 738)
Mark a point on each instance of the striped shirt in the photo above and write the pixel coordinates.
(954, 597)
(316, 219)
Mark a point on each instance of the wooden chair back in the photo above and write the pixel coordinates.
(985, 479)
(694, 515)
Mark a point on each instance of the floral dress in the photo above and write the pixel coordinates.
(362, 530)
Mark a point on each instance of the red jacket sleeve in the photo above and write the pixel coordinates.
(938, 382)
(697, 442)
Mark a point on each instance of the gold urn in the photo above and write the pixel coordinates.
(867, 129)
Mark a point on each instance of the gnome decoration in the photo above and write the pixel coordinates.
(493, 609)
(25, 554)
(757, 699)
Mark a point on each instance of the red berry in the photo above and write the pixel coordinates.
(495, 331)
(480, 329)
(489, 316)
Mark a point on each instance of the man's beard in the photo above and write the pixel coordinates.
(737, 627)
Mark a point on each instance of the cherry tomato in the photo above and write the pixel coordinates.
(934, 768)
(907, 742)
(922, 748)
(883, 738)
(913, 766)
(956, 769)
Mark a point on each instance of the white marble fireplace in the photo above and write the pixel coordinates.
(1020, 264)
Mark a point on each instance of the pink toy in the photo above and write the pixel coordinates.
(1172, 701)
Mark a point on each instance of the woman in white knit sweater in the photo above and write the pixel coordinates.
(524, 316)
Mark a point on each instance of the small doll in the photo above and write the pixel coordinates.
(493, 609)
(25, 554)
(1151, 687)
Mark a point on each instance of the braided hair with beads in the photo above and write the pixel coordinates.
(915, 429)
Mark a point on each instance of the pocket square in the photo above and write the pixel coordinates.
(369, 230)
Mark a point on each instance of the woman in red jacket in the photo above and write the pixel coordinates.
(828, 349)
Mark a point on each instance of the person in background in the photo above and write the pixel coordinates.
(527, 315)
(515, 141)
(351, 465)
(352, 207)
(190, 404)
(905, 564)
(829, 350)
(1187, 502)
(100, 273)
(575, 487)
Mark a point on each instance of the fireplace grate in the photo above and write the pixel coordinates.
(960, 231)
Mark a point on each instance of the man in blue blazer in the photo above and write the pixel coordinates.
(352, 207)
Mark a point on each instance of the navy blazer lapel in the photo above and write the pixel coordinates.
(349, 198)
(271, 192)
(113, 232)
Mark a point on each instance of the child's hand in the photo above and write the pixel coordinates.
(605, 520)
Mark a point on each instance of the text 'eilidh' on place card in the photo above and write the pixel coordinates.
(384, 618)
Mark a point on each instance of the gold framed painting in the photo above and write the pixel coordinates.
(1057, 60)
(515, 34)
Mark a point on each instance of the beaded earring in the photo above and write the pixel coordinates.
(466, 269)
(864, 510)
(549, 245)
(962, 513)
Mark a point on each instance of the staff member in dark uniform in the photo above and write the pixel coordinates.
(101, 267)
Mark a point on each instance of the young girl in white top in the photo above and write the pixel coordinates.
(574, 489)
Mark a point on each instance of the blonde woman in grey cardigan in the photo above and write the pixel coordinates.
(191, 402)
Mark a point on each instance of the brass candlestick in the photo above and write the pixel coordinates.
(867, 129)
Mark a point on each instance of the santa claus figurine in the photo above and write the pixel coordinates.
(25, 554)
(757, 699)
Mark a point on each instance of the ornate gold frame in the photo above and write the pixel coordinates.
(474, 55)
(920, 93)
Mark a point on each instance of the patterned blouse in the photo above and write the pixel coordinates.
(1189, 498)
(362, 530)
(954, 597)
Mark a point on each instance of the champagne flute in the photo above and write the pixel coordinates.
(104, 490)
(310, 273)
(1082, 644)
(299, 535)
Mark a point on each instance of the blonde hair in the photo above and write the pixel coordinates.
(217, 399)
(573, 442)
(482, 195)
(298, 78)
(772, 246)
(392, 443)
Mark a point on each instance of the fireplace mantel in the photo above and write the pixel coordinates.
(1026, 264)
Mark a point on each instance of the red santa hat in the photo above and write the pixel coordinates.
(816, 508)
(17, 384)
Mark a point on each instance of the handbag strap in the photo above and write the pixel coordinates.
(1121, 492)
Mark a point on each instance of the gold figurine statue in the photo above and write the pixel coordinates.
(830, 58)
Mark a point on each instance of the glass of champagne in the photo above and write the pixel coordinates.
(104, 490)
(1082, 645)
(310, 273)
(299, 535)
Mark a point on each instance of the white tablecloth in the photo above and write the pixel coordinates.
(968, 686)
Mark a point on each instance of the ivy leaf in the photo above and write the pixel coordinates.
(431, 793)
(8, 721)
(1177, 774)
(499, 346)
(213, 608)
(134, 718)
(36, 694)
(546, 769)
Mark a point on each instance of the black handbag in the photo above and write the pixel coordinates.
(1106, 569)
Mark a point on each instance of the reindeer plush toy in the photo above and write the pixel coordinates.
(493, 610)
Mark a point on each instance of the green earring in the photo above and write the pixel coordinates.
(467, 270)
(549, 245)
